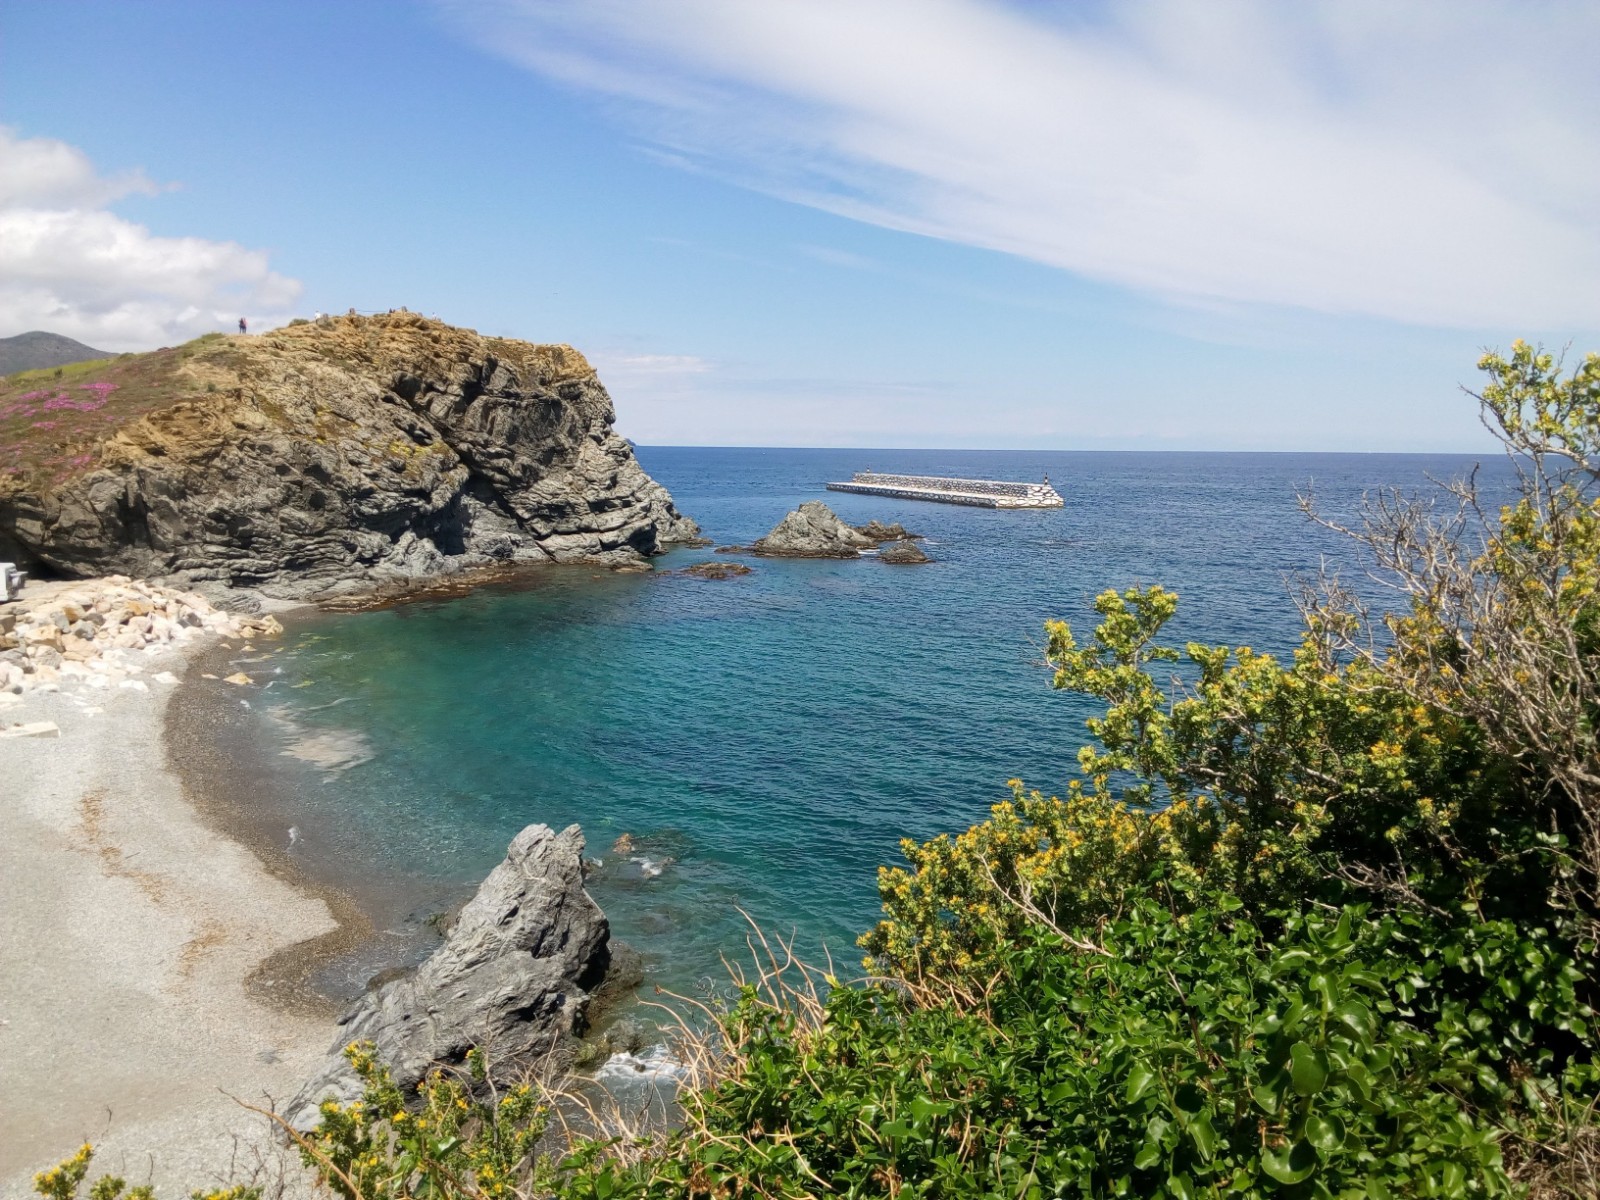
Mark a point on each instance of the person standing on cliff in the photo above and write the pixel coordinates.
(243, 328)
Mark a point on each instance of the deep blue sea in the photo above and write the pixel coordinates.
(766, 741)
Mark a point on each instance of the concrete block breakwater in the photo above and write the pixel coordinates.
(982, 493)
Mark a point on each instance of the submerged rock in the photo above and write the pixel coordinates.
(513, 978)
(903, 552)
(716, 570)
(813, 531)
(325, 459)
(879, 532)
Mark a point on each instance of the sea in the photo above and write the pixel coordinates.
(746, 754)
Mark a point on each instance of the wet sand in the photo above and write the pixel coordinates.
(138, 997)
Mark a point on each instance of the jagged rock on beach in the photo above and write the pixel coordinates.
(904, 551)
(813, 531)
(324, 459)
(514, 978)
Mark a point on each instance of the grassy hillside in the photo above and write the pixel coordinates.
(55, 421)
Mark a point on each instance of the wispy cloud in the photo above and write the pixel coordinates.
(651, 366)
(1434, 164)
(71, 266)
(839, 258)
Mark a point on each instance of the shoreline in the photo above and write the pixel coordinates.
(235, 781)
(137, 934)
(190, 746)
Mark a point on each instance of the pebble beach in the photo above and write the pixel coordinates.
(129, 926)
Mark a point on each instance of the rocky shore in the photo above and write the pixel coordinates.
(104, 633)
(513, 979)
(171, 496)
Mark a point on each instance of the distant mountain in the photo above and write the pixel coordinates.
(30, 351)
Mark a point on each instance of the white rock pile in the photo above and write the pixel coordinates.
(104, 632)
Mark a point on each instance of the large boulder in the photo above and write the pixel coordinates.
(513, 978)
(813, 531)
(354, 454)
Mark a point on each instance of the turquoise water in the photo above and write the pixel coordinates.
(766, 741)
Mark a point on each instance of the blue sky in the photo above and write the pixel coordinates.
(1156, 224)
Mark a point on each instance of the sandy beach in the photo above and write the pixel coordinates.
(128, 930)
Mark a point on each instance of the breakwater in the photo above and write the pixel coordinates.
(981, 493)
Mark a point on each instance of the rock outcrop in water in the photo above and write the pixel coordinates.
(513, 978)
(716, 570)
(904, 551)
(879, 532)
(813, 531)
(322, 459)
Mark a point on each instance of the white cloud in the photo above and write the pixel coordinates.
(653, 365)
(70, 266)
(1434, 164)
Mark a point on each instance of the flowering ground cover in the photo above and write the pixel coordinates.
(55, 422)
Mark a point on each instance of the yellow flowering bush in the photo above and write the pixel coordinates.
(1245, 775)
(61, 1182)
(452, 1141)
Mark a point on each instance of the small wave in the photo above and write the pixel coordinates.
(650, 868)
(329, 704)
(650, 1064)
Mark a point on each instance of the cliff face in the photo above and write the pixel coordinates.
(324, 458)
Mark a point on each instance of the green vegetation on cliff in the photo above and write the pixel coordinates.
(1317, 928)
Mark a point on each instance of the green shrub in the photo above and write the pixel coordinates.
(1192, 1057)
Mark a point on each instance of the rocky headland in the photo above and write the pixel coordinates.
(338, 457)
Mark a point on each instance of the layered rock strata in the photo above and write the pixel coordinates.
(513, 978)
(326, 459)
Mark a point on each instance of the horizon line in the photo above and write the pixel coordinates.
(1079, 450)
